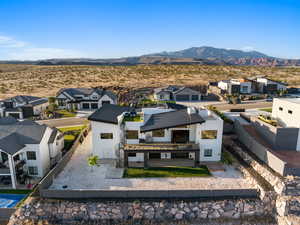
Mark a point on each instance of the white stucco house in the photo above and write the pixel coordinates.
(84, 98)
(176, 93)
(287, 111)
(143, 137)
(263, 84)
(236, 86)
(27, 149)
(23, 106)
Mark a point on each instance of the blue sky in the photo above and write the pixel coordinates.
(35, 29)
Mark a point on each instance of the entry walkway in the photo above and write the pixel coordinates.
(78, 175)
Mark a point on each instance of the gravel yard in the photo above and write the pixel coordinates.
(78, 175)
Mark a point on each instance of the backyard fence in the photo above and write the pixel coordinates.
(262, 152)
(148, 194)
(47, 181)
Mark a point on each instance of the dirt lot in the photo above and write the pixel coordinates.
(47, 80)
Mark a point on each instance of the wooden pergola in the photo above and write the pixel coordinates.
(146, 149)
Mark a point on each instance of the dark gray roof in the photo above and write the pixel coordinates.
(171, 119)
(22, 99)
(38, 102)
(86, 92)
(109, 113)
(175, 106)
(15, 134)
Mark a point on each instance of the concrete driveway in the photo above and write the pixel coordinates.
(64, 122)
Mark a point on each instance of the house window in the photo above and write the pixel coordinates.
(95, 97)
(161, 97)
(105, 102)
(31, 155)
(106, 135)
(195, 97)
(209, 134)
(132, 134)
(280, 108)
(158, 133)
(207, 152)
(131, 154)
(290, 112)
(33, 170)
(244, 89)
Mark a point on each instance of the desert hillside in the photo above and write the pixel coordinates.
(47, 80)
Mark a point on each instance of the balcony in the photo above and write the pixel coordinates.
(191, 146)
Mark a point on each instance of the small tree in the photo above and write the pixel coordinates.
(51, 100)
(93, 161)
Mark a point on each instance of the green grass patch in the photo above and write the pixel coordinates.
(70, 134)
(136, 118)
(226, 158)
(75, 128)
(266, 110)
(14, 191)
(65, 113)
(201, 171)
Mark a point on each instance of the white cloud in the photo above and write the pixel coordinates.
(8, 42)
(248, 48)
(13, 49)
(43, 53)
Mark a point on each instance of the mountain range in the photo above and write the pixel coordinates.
(196, 55)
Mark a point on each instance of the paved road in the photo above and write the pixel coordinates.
(244, 105)
(223, 106)
(64, 122)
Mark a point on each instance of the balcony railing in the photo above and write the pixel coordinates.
(161, 146)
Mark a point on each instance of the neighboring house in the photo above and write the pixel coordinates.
(153, 136)
(235, 86)
(23, 106)
(263, 84)
(286, 135)
(27, 149)
(176, 93)
(84, 98)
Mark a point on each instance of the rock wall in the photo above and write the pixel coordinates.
(70, 212)
(287, 205)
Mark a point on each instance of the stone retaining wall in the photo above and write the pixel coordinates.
(65, 212)
(275, 180)
(287, 205)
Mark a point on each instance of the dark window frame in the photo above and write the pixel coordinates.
(213, 133)
(208, 152)
(157, 134)
(106, 136)
(132, 134)
(33, 170)
(31, 155)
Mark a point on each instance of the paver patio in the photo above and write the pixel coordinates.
(78, 175)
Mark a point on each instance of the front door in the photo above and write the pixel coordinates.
(180, 136)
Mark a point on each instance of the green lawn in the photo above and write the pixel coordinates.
(166, 172)
(266, 110)
(13, 191)
(64, 113)
(72, 134)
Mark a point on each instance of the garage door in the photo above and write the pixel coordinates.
(94, 105)
(85, 105)
(195, 97)
(15, 115)
(182, 97)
